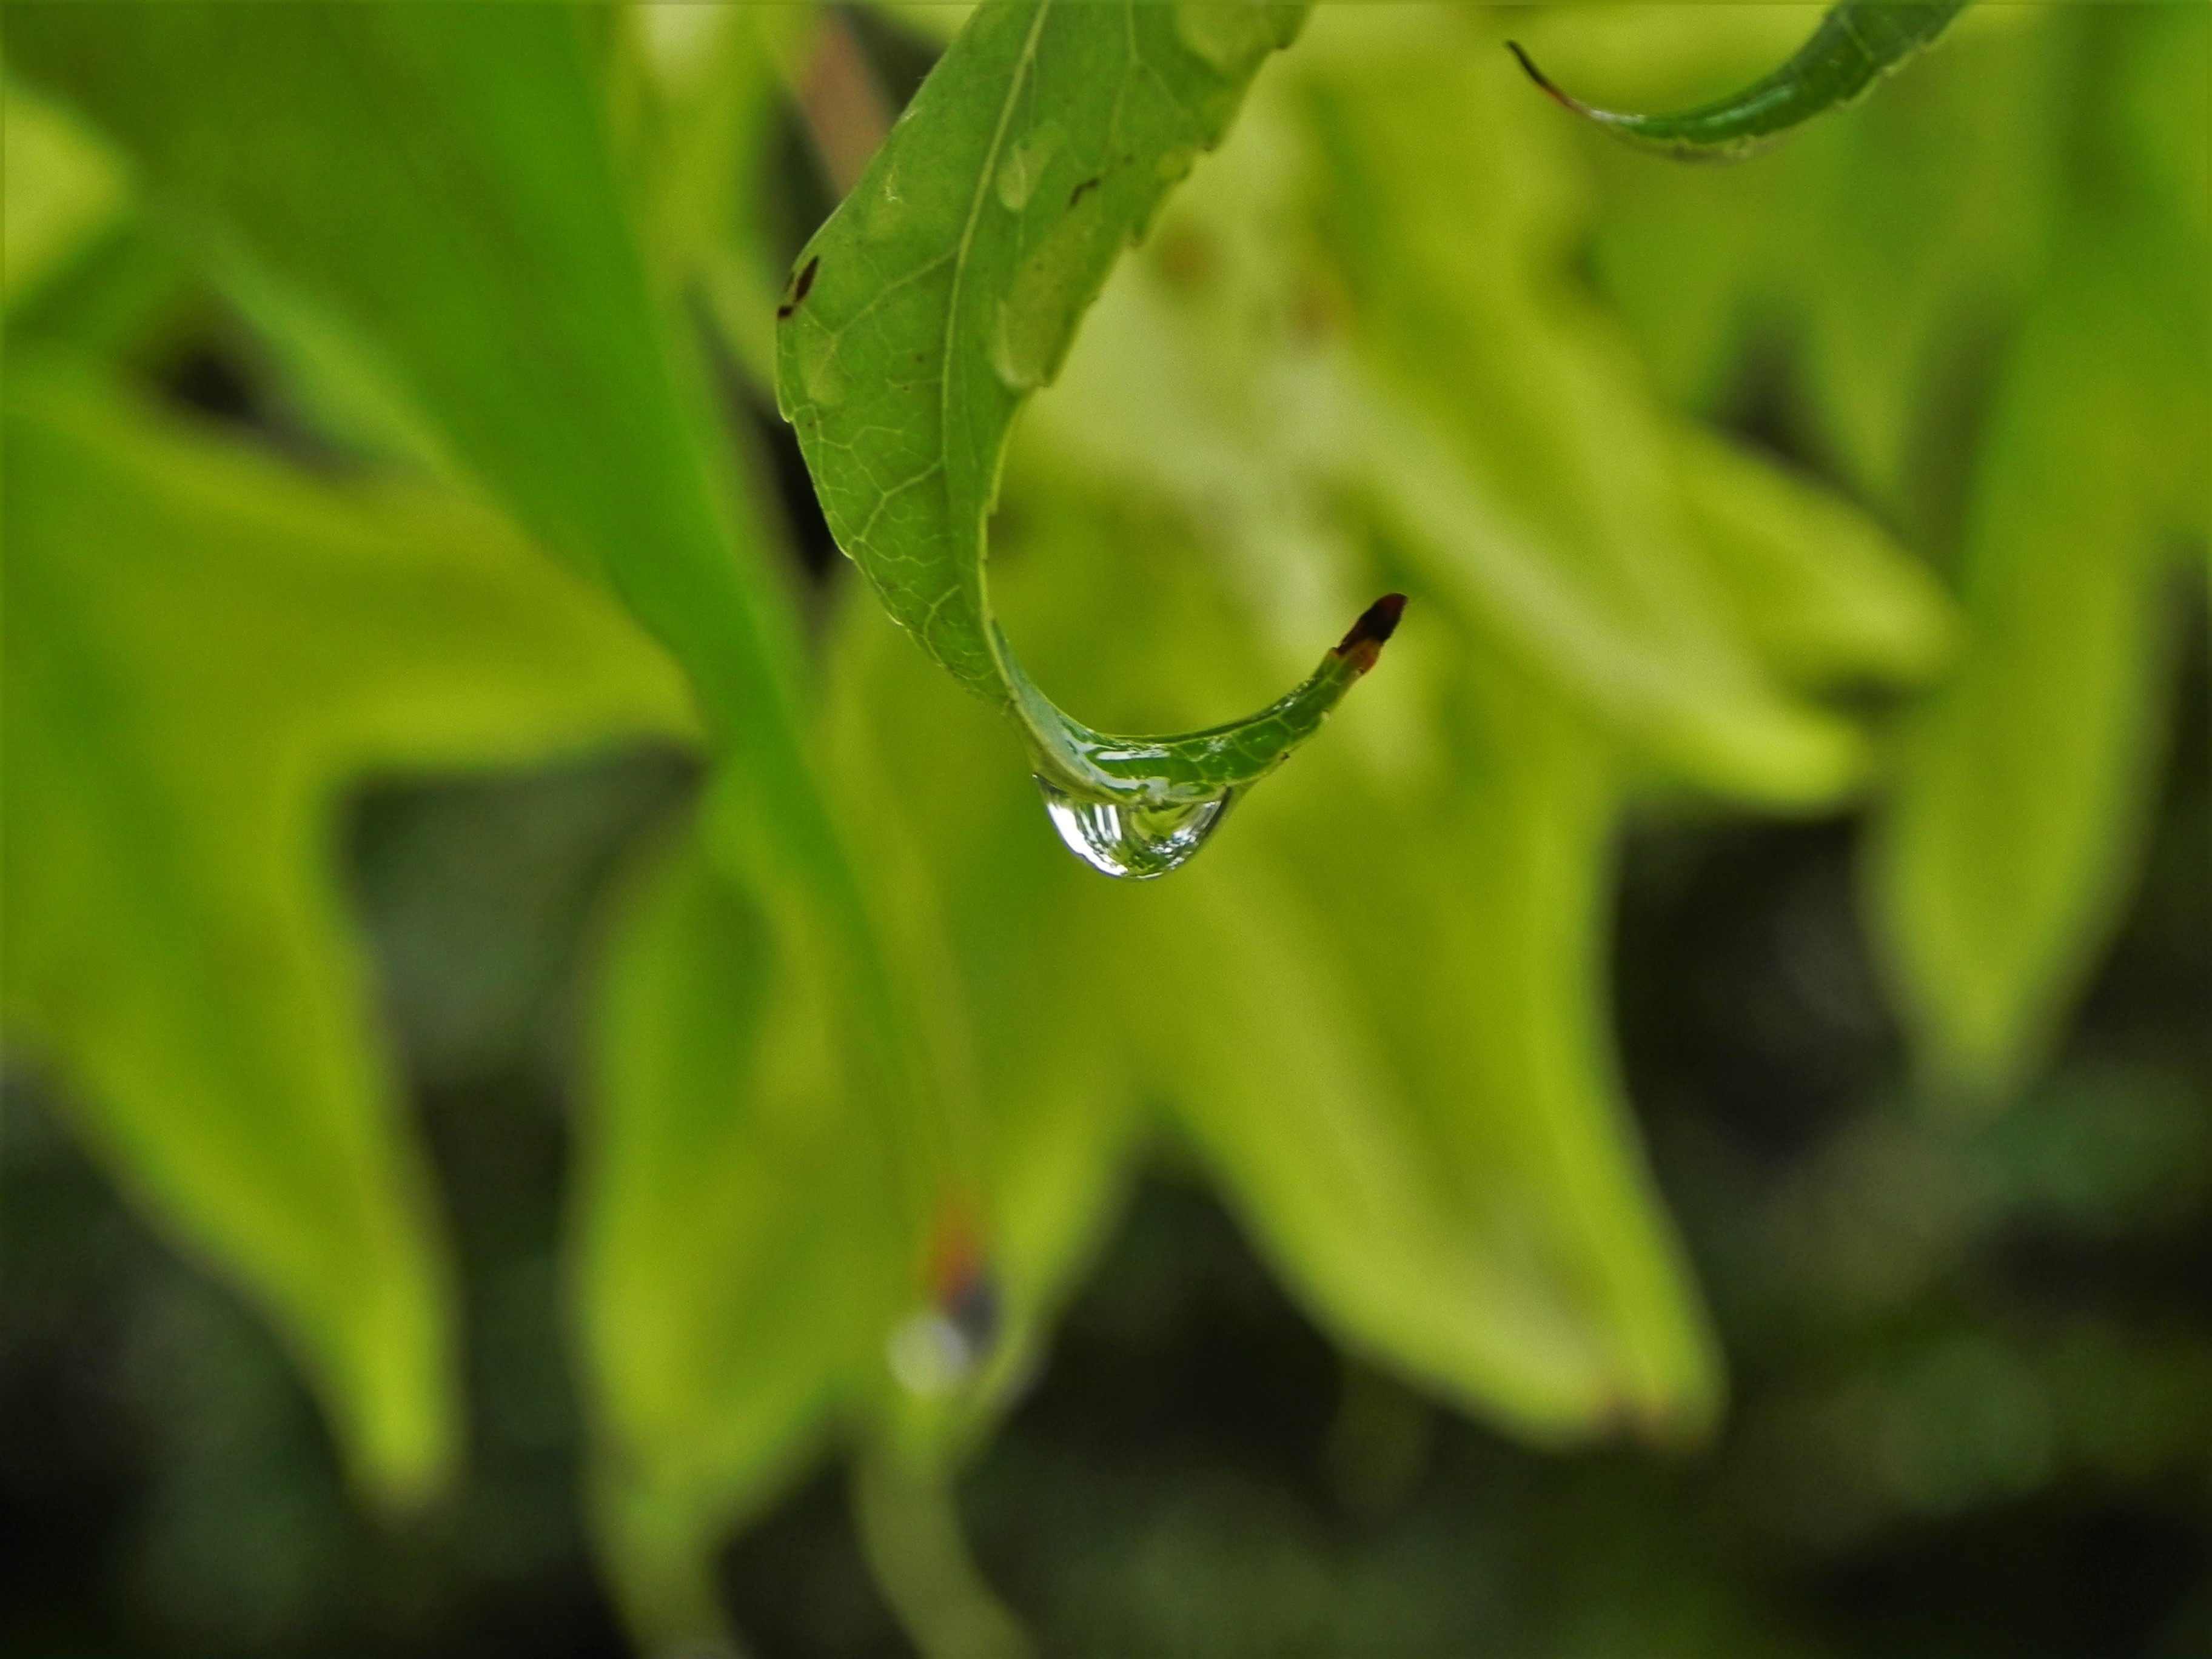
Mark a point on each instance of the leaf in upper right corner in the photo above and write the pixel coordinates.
(1858, 44)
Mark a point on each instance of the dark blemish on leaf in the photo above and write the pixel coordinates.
(799, 288)
(1082, 191)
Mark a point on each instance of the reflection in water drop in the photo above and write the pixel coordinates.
(1134, 842)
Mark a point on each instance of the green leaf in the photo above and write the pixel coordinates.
(1858, 43)
(947, 288)
(733, 1241)
(1389, 1039)
(1826, 595)
(2023, 788)
(1378, 1010)
(202, 653)
(1333, 336)
(61, 189)
(439, 187)
(732, 1230)
(712, 75)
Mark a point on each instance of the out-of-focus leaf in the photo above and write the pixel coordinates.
(1409, 1091)
(1377, 1010)
(1884, 245)
(1527, 472)
(2017, 818)
(1420, 367)
(1903, 264)
(947, 290)
(953, 837)
(440, 188)
(62, 187)
(1858, 43)
(728, 1211)
(733, 1234)
(713, 71)
(1821, 590)
(201, 651)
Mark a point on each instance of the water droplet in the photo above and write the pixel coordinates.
(817, 366)
(1134, 842)
(1231, 35)
(930, 1355)
(1024, 163)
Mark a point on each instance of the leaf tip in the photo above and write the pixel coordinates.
(1542, 80)
(1364, 641)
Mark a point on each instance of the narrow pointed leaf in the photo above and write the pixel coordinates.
(733, 1236)
(947, 290)
(1857, 44)
(1817, 585)
(2024, 787)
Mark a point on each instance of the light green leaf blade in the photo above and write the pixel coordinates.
(1332, 333)
(441, 186)
(2023, 788)
(732, 1243)
(948, 288)
(203, 651)
(713, 86)
(721, 1146)
(1377, 1010)
(1415, 1105)
(1823, 592)
(61, 190)
(1858, 44)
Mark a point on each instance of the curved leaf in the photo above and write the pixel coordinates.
(947, 288)
(1858, 43)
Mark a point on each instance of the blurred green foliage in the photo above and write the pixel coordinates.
(503, 279)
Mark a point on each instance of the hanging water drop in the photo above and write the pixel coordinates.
(1135, 843)
(930, 1356)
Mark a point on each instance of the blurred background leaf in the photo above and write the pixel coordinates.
(203, 649)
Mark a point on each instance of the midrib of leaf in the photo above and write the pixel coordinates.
(985, 175)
